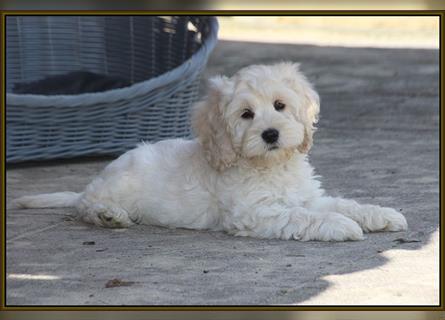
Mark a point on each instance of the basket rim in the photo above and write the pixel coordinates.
(186, 71)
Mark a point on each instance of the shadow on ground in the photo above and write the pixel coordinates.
(377, 142)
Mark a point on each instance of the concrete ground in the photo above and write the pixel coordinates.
(378, 142)
(386, 32)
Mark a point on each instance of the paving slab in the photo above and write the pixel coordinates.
(377, 142)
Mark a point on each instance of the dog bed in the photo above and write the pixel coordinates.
(161, 58)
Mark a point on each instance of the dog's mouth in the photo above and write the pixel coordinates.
(274, 147)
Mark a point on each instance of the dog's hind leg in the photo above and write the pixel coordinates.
(105, 214)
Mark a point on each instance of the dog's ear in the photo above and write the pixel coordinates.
(312, 109)
(311, 101)
(209, 124)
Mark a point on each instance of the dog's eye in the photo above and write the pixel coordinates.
(278, 105)
(247, 114)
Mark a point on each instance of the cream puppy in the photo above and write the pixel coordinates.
(247, 173)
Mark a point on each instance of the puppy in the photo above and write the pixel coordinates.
(247, 173)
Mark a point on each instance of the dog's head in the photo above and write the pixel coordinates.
(262, 114)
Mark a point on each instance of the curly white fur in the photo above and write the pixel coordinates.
(230, 178)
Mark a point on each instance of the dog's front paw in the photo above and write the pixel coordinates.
(393, 220)
(335, 227)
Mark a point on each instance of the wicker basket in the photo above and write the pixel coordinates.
(162, 57)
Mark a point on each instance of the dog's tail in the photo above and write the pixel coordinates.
(47, 200)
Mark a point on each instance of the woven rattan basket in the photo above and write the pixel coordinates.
(162, 58)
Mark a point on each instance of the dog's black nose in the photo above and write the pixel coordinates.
(270, 135)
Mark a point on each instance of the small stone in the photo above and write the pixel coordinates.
(205, 271)
(89, 243)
